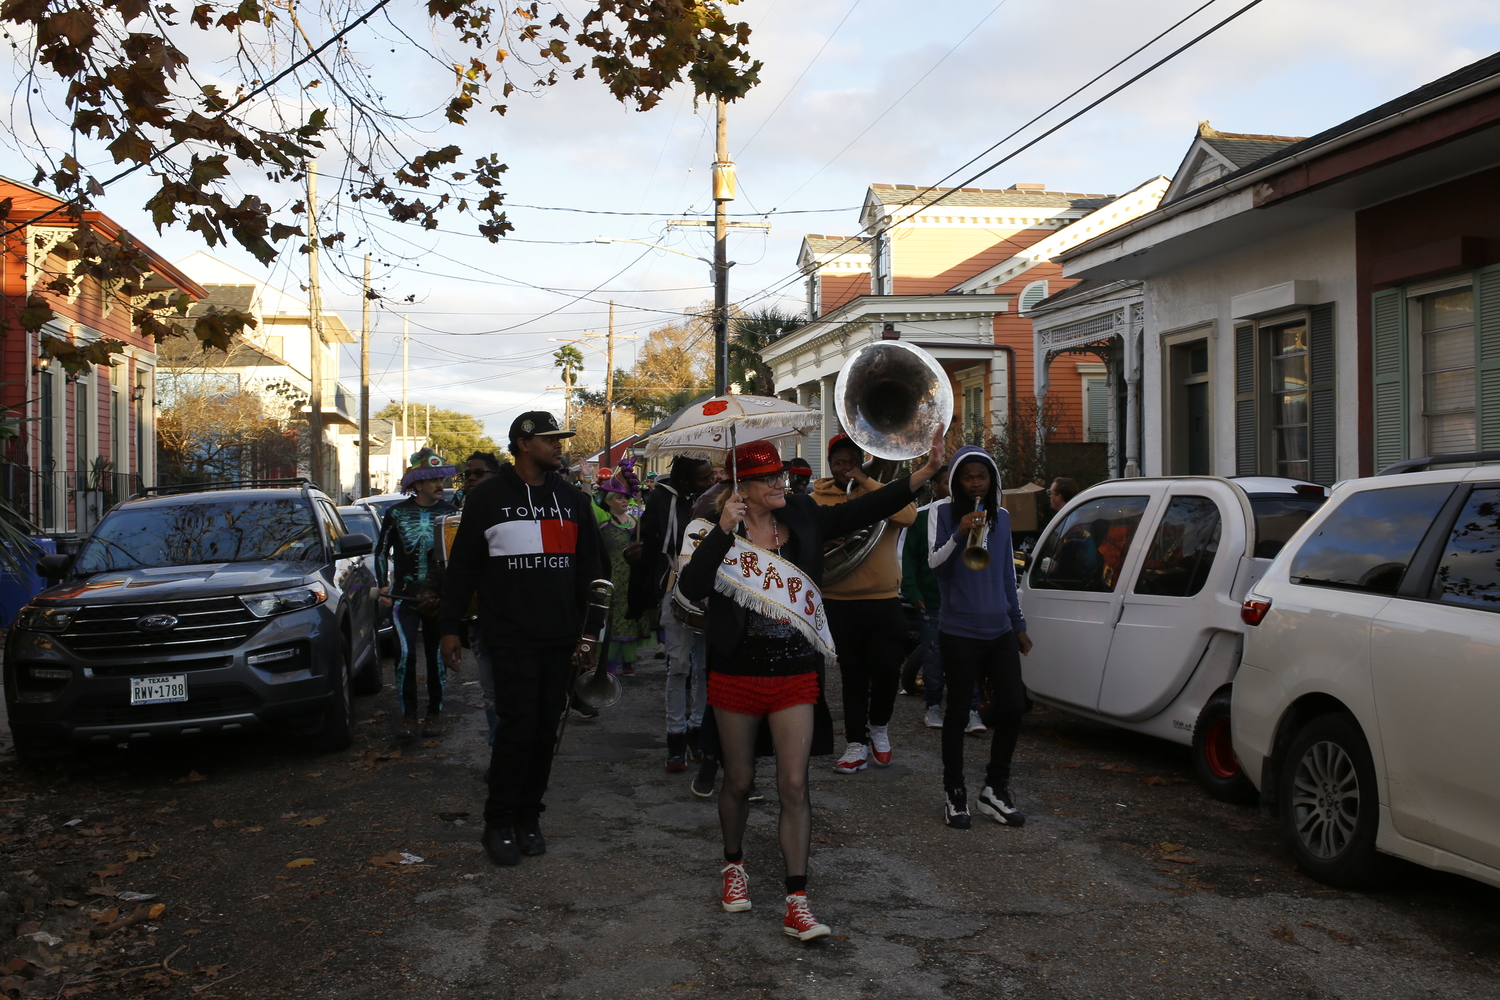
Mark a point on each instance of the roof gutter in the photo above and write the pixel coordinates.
(1240, 182)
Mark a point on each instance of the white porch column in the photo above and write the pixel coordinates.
(999, 392)
(830, 424)
(1132, 357)
(806, 443)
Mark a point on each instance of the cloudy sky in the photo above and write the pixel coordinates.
(854, 92)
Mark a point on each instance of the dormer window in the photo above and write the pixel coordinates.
(814, 294)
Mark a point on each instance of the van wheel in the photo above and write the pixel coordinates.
(1214, 761)
(1330, 810)
(337, 730)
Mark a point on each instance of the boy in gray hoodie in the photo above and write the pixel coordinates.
(981, 632)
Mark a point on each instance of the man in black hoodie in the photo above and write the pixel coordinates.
(529, 544)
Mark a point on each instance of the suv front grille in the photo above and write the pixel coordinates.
(204, 626)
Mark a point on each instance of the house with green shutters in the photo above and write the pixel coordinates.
(1312, 307)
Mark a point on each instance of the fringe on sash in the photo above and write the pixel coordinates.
(752, 601)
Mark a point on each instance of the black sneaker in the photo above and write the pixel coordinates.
(694, 746)
(703, 782)
(956, 809)
(677, 751)
(999, 807)
(584, 711)
(529, 833)
(756, 795)
(499, 842)
(408, 728)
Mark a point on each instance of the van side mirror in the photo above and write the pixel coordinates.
(355, 543)
(53, 567)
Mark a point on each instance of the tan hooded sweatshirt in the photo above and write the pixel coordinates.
(879, 576)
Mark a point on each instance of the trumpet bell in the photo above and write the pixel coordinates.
(891, 398)
(598, 688)
(976, 558)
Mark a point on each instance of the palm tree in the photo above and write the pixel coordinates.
(751, 334)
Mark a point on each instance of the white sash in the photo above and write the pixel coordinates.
(759, 580)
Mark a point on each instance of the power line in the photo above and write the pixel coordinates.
(805, 70)
(851, 242)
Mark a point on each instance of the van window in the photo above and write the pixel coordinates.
(1088, 549)
(1469, 572)
(1366, 542)
(1183, 550)
(1277, 520)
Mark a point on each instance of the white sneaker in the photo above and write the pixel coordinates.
(854, 759)
(934, 717)
(1000, 807)
(974, 726)
(880, 745)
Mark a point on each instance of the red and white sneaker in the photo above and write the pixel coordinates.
(799, 922)
(854, 759)
(736, 887)
(880, 745)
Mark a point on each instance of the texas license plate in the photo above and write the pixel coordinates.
(156, 690)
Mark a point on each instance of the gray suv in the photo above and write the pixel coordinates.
(233, 607)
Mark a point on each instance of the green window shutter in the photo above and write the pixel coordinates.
(1388, 341)
(1097, 390)
(1322, 424)
(1487, 358)
(1245, 439)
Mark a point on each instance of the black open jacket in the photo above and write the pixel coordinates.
(808, 526)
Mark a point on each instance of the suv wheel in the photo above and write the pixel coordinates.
(1214, 760)
(337, 730)
(1329, 806)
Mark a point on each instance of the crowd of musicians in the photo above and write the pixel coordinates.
(724, 567)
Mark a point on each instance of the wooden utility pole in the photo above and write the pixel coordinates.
(315, 331)
(427, 427)
(364, 390)
(723, 191)
(405, 370)
(609, 386)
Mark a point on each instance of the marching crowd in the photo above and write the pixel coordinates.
(723, 566)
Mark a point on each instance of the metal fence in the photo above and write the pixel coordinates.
(64, 501)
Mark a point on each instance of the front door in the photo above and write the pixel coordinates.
(1072, 595)
(1174, 601)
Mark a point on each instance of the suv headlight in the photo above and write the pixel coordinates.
(46, 619)
(279, 602)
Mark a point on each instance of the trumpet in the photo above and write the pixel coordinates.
(976, 553)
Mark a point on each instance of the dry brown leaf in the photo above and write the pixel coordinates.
(1283, 933)
(108, 871)
(1181, 859)
(191, 777)
(1153, 779)
(290, 815)
(194, 932)
(1119, 768)
(1169, 848)
(157, 909)
(301, 863)
(312, 821)
(220, 824)
(108, 916)
(64, 902)
(388, 858)
(252, 829)
(315, 774)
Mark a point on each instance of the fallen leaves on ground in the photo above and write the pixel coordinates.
(312, 821)
(1284, 933)
(1169, 848)
(1119, 768)
(370, 758)
(302, 862)
(191, 777)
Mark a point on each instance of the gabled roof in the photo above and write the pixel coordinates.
(1214, 154)
(241, 297)
(1113, 213)
(1016, 196)
(824, 249)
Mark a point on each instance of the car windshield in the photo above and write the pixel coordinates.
(1277, 520)
(187, 534)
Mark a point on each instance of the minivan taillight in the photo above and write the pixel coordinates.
(1252, 611)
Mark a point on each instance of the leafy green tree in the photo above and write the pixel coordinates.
(749, 335)
(454, 435)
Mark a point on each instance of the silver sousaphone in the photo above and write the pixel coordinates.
(890, 398)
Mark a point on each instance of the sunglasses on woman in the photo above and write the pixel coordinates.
(779, 479)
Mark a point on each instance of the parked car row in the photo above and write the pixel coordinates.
(1336, 653)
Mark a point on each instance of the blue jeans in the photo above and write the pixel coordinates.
(687, 655)
(486, 678)
(417, 638)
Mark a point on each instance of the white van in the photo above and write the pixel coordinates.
(1132, 599)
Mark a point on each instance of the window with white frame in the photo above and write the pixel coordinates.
(1286, 349)
(884, 281)
(1444, 323)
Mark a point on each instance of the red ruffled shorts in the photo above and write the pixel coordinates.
(761, 695)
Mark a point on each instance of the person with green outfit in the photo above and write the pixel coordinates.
(626, 634)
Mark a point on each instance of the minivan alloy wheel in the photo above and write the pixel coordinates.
(1325, 799)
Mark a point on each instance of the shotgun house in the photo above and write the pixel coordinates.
(80, 442)
(951, 271)
(1327, 307)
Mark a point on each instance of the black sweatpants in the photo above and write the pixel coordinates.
(531, 694)
(966, 660)
(869, 637)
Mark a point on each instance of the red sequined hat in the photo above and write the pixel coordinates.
(754, 459)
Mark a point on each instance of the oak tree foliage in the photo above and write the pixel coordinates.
(116, 77)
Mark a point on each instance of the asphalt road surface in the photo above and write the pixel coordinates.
(271, 873)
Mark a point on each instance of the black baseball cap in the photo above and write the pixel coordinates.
(537, 423)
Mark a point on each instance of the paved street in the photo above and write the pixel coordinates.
(280, 875)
